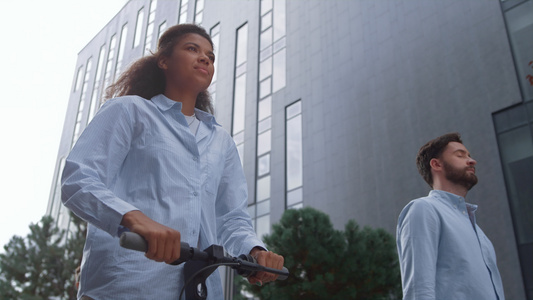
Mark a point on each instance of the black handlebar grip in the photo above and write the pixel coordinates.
(133, 241)
(283, 277)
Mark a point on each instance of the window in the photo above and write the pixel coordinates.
(293, 154)
(215, 37)
(514, 130)
(161, 29)
(109, 64)
(78, 79)
(121, 46)
(183, 11)
(150, 27)
(519, 19)
(239, 92)
(81, 105)
(56, 200)
(95, 98)
(138, 28)
(199, 12)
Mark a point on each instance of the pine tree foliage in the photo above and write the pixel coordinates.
(325, 263)
(42, 265)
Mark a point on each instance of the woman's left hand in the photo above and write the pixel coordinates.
(268, 259)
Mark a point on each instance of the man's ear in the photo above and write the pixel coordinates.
(162, 63)
(435, 164)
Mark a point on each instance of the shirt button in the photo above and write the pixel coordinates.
(455, 206)
(195, 158)
(464, 212)
(195, 194)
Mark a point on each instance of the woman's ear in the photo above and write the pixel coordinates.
(162, 63)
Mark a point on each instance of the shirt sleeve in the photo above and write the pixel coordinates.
(417, 240)
(92, 166)
(234, 225)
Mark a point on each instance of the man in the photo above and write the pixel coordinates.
(443, 253)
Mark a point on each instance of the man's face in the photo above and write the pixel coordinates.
(459, 166)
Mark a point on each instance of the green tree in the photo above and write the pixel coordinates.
(325, 263)
(42, 265)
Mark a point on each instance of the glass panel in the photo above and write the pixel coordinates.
(520, 27)
(199, 18)
(263, 226)
(294, 196)
(266, 5)
(161, 30)
(240, 70)
(95, 102)
(529, 109)
(242, 44)
(199, 5)
(511, 118)
(138, 28)
(264, 125)
(265, 68)
(266, 38)
(238, 104)
(263, 188)
(263, 208)
(279, 44)
(265, 108)
(263, 165)
(78, 79)
(516, 148)
(265, 54)
(265, 87)
(183, 11)
(239, 138)
(109, 64)
(121, 47)
(279, 71)
(263, 142)
(251, 210)
(279, 19)
(240, 149)
(266, 21)
(215, 30)
(215, 37)
(294, 109)
(150, 28)
(297, 206)
(294, 153)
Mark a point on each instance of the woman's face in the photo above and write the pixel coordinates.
(190, 65)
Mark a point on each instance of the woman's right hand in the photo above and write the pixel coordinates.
(163, 242)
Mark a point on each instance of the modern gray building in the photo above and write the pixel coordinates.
(329, 102)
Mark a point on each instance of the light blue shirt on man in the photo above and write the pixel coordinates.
(443, 253)
(138, 154)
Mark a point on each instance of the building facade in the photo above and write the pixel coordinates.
(329, 101)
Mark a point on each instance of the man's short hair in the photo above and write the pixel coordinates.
(433, 149)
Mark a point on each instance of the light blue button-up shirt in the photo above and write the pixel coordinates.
(443, 253)
(140, 155)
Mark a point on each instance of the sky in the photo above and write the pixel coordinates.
(38, 53)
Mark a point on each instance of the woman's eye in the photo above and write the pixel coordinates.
(192, 48)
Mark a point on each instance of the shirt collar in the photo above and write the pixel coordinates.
(453, 199)
(164, 104)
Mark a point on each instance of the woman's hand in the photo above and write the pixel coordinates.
(163, 242)
(268, 259)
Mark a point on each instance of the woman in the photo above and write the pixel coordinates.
(154, 161)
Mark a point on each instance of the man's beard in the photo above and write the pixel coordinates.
(460, 176)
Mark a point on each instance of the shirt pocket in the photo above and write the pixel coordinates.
(215, 168)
